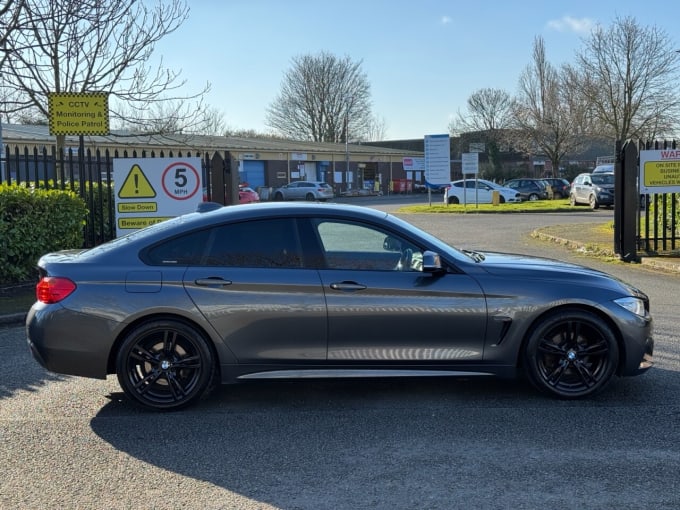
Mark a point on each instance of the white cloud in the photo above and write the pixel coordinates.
(445, 20)
(571, 24)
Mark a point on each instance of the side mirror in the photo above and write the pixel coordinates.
(432, 263)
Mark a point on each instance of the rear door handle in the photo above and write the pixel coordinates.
(212, 281)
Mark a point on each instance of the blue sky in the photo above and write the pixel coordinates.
(423, 58)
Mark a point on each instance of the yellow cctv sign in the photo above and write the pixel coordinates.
(78, 113)
(660, 171)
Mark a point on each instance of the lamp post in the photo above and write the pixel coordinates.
(347, 149)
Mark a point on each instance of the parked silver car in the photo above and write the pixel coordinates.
(593, 189)
(280, 291)
(304, 190)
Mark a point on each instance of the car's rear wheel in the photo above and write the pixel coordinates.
(310, 197)
(571, 354)
(165, 364)
(453, 200)
(593, 202)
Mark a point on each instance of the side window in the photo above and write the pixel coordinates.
(185, 250)
(357, 246)
(270, 243)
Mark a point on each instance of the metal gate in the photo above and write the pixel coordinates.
(643, 224)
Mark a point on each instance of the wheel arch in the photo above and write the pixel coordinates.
(621, 363)
(111, 361)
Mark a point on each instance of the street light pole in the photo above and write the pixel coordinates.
(347, 149)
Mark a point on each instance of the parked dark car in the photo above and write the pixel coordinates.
(560, 187)
(288, 290)
(529, 189)
(593, 189)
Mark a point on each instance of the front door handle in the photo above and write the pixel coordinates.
(347, 286)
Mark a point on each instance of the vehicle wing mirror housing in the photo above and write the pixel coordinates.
(432, 262)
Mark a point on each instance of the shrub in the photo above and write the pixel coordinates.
(34, 222)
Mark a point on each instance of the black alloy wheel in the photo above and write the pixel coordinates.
(453, 200)
(310, 197)
(571, 354)
(165, 365)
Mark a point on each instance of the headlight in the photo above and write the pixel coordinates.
(632, 304)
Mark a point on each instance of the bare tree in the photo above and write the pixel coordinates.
(250, 133)
(173, 117)
(376, 129)
(548, 114)
(10, 11)
(488, 111)
(629, 75)
(323, 98)
(97, 46)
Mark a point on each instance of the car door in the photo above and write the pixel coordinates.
(385, 311)
(252, 288)
(584, 189)
(291, 191)
(483, 193)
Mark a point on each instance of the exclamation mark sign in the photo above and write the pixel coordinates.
(136, 184)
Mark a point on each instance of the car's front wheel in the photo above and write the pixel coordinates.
(278, 196)
(571, 354)
(533, 197)
(165, 364)
(593, 202)
(572, 200)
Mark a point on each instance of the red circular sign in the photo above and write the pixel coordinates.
(180, 181)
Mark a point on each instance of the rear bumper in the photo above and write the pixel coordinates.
(63, 349)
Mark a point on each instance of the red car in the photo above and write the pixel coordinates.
(247, 195)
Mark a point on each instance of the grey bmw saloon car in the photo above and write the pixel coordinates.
(289, 290)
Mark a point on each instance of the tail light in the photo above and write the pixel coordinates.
(52, 289)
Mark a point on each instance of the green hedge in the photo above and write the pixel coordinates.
(34, 222)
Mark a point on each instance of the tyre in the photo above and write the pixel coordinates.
(501, 200)
(571, 354)
(310, 197)
(593, 202)
(165, 365)
(572, 200)
(533, 197)
(278, 196)
(453, 200)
